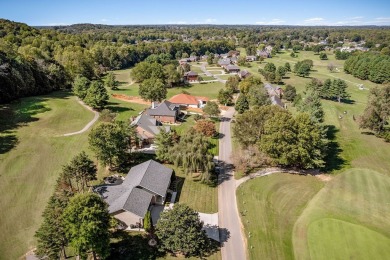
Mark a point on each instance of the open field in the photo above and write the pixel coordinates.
(29, 170)
(269, 207)
(351, 217)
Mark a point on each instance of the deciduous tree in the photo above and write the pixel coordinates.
(205, 127)
(179, 230)
(211, 108)
(242, 104)
(109, 142)
(96, 96)
(86, 221)
(153, 89)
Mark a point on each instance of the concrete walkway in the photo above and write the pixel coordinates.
(95, 118)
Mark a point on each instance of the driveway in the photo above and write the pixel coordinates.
(232, 238)
(210, 225)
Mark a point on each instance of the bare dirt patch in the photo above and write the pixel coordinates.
(131, 99)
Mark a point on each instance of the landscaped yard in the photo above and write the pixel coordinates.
(30, 169)
(199, 196)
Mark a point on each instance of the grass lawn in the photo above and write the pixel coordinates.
(30, 168)
(351, 217)
(347, 218)
(209, 89)
(199, 196)
(269, 207)
(226, 76)
(216, 71)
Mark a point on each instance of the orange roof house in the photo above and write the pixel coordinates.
(188, 100)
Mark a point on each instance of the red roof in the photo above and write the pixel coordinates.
(184, 99)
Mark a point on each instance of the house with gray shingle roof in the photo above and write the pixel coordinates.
(165, 112)
(145, 185)
(147, 128)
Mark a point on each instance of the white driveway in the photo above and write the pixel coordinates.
(210, 225)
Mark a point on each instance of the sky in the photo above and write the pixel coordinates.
(281, 12)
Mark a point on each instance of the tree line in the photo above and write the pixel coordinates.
(368, 65)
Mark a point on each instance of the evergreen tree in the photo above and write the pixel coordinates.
(96, 96)
(377, 112)
(164, 140)
(339, 90)
(80, 86)
(290, 93)
(311, 104)
(111, 81)
(242, 104)
(287, 67)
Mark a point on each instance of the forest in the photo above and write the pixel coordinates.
(39, 60)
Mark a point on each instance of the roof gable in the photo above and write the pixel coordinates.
(165, 108)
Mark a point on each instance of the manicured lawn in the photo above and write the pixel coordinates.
(350, 215)
(199, 196)
(30, 168)
(269, 207)
(347, 219)
(209, 90)
(216, 71)
(225, 76)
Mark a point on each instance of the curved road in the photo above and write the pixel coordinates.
(95, 118)
(233, 241)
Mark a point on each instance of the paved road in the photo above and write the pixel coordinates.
(234, 247)
(95, 118)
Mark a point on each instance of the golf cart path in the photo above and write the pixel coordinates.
(95, 118)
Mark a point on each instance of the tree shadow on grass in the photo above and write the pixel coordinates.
(179, 182)
(117, 108)
(19, 113)
(333, 161)
(128, 245)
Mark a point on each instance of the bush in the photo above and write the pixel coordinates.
(198, 117)
(148, 226)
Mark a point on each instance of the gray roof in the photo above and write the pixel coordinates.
(275, 100)
(165, 108)
(244, 73)
(232, 67)
(149, 124)
(135, 193)
(190, 73)
(138, 202)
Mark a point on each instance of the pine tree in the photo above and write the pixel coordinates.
(96, 96)
(241, 104)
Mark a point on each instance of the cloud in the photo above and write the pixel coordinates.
(272, 22)
(104, 20)
(382, 19)
(315, 19)
(210, 20)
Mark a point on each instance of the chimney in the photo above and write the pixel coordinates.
(153, 105)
